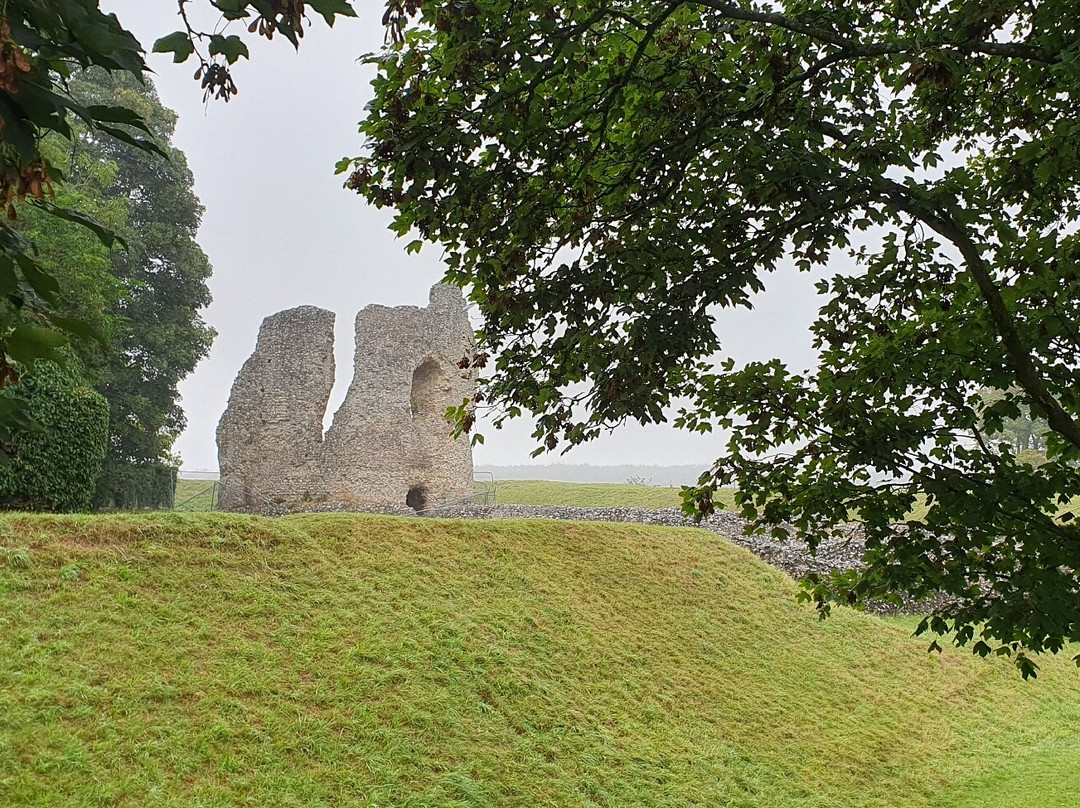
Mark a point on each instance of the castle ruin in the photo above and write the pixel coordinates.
(390, 445)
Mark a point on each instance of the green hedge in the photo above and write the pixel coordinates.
(124, 485)
(55, 468)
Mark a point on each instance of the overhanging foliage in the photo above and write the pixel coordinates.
(42, 45)
(606, 177)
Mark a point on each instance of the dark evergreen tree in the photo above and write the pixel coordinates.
(159, 336)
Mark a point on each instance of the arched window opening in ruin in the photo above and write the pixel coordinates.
(416, 498)
(431, 389)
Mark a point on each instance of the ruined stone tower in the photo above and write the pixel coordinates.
(389, 445)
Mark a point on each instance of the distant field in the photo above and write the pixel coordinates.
(590, 495)
(609, 495)
(321, 660)
(200, 495)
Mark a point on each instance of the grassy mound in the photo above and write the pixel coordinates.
(331, 660)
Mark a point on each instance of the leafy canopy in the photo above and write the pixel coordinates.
(42, 46)
(608, 176)
(158, 335)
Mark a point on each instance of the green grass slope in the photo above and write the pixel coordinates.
(344, 660)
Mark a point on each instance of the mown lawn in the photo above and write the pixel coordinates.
(330, 660)
(592, 495)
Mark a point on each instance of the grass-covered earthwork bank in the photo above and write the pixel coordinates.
(345, 660)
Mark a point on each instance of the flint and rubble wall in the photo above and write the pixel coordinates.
(389, 443)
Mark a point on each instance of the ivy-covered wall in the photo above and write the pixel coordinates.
(56, 467)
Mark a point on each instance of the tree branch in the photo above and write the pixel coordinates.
(851, 47)
(1027, 376)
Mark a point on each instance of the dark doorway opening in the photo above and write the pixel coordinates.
(416, 498)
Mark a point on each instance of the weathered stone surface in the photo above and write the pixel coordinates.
(389, 445)
(270, 437)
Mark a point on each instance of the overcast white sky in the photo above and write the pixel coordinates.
(281, 232)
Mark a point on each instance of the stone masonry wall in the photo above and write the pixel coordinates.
(389, 445)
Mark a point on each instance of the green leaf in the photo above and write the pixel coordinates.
(16, 131)
(44, 108)
(233, 9)
(102, 113)
(330, 8)
(42, 282)
(9, 278)
(104, 234)
(102, 41)
(16, 415)
(231, 47)
(30, 342)
(137, 142)
(83, 329)
(178, 43)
